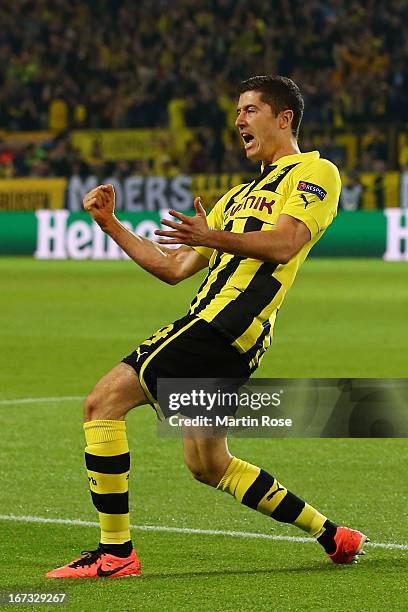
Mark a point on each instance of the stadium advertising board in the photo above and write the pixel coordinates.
(137, 193)
(404, 190)
(32, 193)
(397, 234)
(60, 234)
(118, 145)
(65, 236)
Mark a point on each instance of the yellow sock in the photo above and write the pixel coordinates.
(257, 489)
(108, 463)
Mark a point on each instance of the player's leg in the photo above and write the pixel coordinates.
(108, 463)
(114, 395)
(210, 462)
(206, 457)
(107, 452)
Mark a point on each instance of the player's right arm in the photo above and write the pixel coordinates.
(169, 265)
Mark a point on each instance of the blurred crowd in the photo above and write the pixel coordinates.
(107, 63)
(58, 157)
(204, 153)
(119, 63)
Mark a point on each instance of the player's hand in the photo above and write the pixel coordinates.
(193, 231)
(100, 203)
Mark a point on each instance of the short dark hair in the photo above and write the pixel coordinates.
(281, 93)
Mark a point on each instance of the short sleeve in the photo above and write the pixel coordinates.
(315, 195)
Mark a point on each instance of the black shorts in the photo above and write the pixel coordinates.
(188, 348)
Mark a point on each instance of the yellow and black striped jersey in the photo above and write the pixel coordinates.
(240, 296)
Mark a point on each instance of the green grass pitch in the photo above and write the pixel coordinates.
(64, 324)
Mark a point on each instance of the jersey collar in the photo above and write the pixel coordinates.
(296, 157)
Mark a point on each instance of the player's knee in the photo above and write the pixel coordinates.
(102, 403)
(203, 476)
(194, 465)
(90, 406)
(208, 474)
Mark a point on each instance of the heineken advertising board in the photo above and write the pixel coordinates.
(60, 234)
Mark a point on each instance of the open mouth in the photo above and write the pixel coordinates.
(248, 139)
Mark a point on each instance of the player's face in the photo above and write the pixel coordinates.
(257, 125)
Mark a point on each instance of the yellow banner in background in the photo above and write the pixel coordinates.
(32, 193)
(116, 145)
(380, 190)
(24, 137)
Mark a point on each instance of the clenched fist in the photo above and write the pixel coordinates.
(100, 203)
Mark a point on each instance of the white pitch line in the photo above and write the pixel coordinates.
(186, 530)
(40, 400)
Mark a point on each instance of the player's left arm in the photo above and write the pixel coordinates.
(279, 245)
(299, 221)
